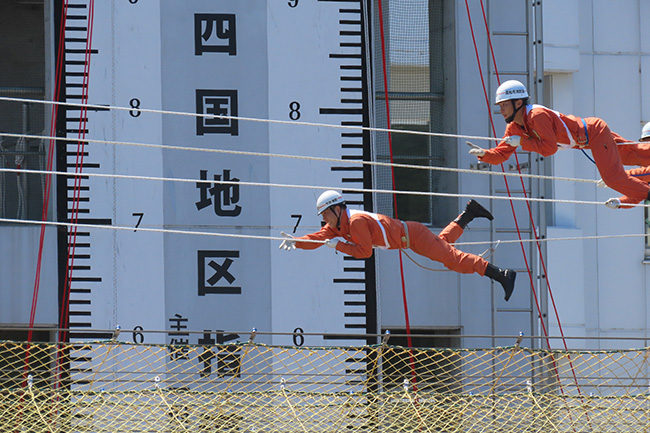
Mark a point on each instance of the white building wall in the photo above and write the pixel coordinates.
(596, 62)
(596, 65)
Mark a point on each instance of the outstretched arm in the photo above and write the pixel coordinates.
(322, 235)
(498, 154)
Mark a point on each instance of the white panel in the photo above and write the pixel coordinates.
(561, 35)
(432, 296)
(215, 62)
(306, 55)
(585, 23)
(134, 72)
(617, 84)
(561, 59)
(559, 19)
(616, 26)
(564, 166)
(583, 91)
(564, 161)
(565, 260)
(129, 289)
(562, 92)
(644, 13)
(622, 291)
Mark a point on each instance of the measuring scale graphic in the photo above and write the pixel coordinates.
(211, 57)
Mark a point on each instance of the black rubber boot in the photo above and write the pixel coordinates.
(472, 210)
(506, 277)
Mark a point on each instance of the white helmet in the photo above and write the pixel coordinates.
(645, 133)
(327, 199)
(511, 89)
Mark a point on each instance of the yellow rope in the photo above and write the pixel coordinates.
(542, 411)
(331, 389)
(293, 411)
(416, 410)
(498, 378)
(172, 412)
(33, 398)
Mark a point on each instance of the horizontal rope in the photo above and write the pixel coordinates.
(311, 187)
(250, 119)
(150, 230)
(254, 119)
(277, 238)
(298, 157)
(577, 238)
(319, 334)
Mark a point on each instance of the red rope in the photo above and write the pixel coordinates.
(527, 205)
(392, 170)
(539, 249)
(48, 177)
(523, 251)
(83, 120)
(487, 102)
(48, 185)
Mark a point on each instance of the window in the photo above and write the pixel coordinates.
(420, 98)
(22, 76)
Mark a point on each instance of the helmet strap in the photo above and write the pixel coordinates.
(514, 113)
(338, 218)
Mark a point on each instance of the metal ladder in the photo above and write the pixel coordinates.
(516, 36)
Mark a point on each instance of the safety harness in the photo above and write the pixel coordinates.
(572, 142)
(405, 238)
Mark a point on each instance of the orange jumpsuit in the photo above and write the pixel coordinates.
(641, 173)
(544, 130)
(634, 154)
(363, 231)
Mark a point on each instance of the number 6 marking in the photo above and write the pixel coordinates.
(298, 338)
(138, 337)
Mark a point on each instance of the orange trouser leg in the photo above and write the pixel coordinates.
(641, 173)
(438, 249)
(607, 159)
(635, 154)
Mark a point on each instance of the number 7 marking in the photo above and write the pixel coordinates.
(140, 215)
(297, 222)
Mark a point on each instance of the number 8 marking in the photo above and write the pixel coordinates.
(294, 114)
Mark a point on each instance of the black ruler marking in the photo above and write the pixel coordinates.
(359, 288)
(72, 126)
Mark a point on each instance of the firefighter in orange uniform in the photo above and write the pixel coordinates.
(356, 233)
(539, 129)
